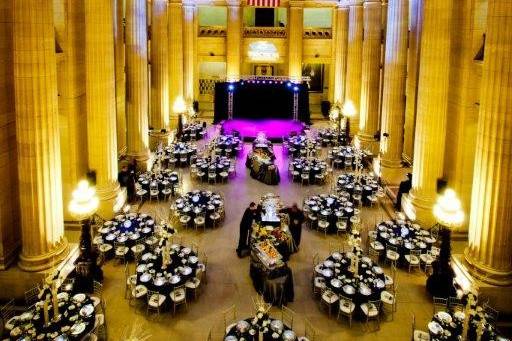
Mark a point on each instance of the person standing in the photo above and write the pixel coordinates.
(126, 180)
(249, 216)
(296, 221)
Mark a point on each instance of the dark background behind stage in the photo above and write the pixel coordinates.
(261, 101)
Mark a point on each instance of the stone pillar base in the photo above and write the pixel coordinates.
(419, 210)
(367, 142)
(108, 196)
(142, 159)
(486, 274)
(156, 137)
(45, 261)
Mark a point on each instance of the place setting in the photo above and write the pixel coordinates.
(215, 169)
(198, 209)
(309, 170)
(331, 213)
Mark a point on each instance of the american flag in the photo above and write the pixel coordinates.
(263, 3)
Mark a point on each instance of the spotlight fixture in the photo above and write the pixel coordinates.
(295, 88)
(231, 87)
(289, 84)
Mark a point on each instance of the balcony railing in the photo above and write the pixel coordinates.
(265, 32)
(212, 31)
(317, 33)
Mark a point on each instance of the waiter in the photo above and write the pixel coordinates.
(296, 221)
(249, 216)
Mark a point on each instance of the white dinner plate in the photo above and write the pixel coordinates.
(79, 298)
(78, 328)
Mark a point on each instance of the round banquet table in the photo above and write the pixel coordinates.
(368, 285)
(405, 235)
(331, 207)
(263, 168)
(250, 329)
(128, 229)
(167, 179)
(218, 164)
(342, 156)
(227, 145)
(361, 189)
(311, 166)
(332, 137)
(155, 275)
(173, 153)
(448, 326)
(301, 145)
(76, 319)
(193, 131)
(198, 202)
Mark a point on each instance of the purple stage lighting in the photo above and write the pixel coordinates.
(273, 129)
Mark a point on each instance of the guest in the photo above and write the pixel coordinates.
(249, 216)
(405, 187)
(296, 221)
(126, 180)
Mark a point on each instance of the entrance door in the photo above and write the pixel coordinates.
(264, 17)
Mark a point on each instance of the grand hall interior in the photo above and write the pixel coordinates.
(255, 170)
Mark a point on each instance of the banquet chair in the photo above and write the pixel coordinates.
(215, 218)
(178, 297)
(155, 301)
(97, 291)
(440, 304)
(232, 168)
(388, 302)
(320, 179)
(121, 251)
(167, 191)
(184, 221)
(392, 254)
(391, 281)
(329, 298)
(492, 314)
(183, 160)
(455, 304)
(417, 334)
(309, 332)
(130, 280)
(7, 311)
(154, 192)
(287, 316)
(31, 296)
(337, 163)
(346, 308)
(194, 284)
(371, 311)
(200, 221)
(374, 255)
(140, 192)
(413, 259)
(212, 177)
(341, 225)
(304, 177)
(229, 316)
(323, 224)
(311, 220)
(224, 176)
(427, 259)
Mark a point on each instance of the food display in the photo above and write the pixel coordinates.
(268, 254)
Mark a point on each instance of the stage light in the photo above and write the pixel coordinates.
(241, 83)
(295, 88)
(289, 84)
(231, 87)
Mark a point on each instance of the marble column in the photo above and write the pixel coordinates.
(100, 90)
(234, 40)
(137, 105)
(393, 96)
(159, 118)
(37, 136)
(175, 18)
(295, 36)
(430, 134)
(490, 227)
(340, 50)
(189, 12)
(354, 61)
(370, 74)
(119, 36)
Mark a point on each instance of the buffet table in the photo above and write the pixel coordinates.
(261, 163)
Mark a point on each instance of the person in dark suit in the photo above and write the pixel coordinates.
(296, 221)
(249, 216)
(405, 187)
(126, 180)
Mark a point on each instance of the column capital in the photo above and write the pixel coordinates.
(233, 3)
(342, 5)
(296, 4)
(189, 3)
(355, 2)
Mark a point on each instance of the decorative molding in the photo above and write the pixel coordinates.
(212, 31)
(317, 33)
(265, 32)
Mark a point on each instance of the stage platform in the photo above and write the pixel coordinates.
(273, 129)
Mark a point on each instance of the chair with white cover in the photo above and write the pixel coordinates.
(155, 301)
(392, 254)
(97, 291)
(121, 251)
(413, 259)
(130, 281)
(390, 281)
(140, 192)
(153, 191)
(427, 259)
(371, 311)
(346, 308)
(341, 225)
(323, 224)
(167, 191)
(304, 178)
(193, 285)
(312, 219)
(329, 298)
(178, 297)
(229, 316)
(417, 334)
(200, 221)
(184, 221)
(440, 304)
(388, 302)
